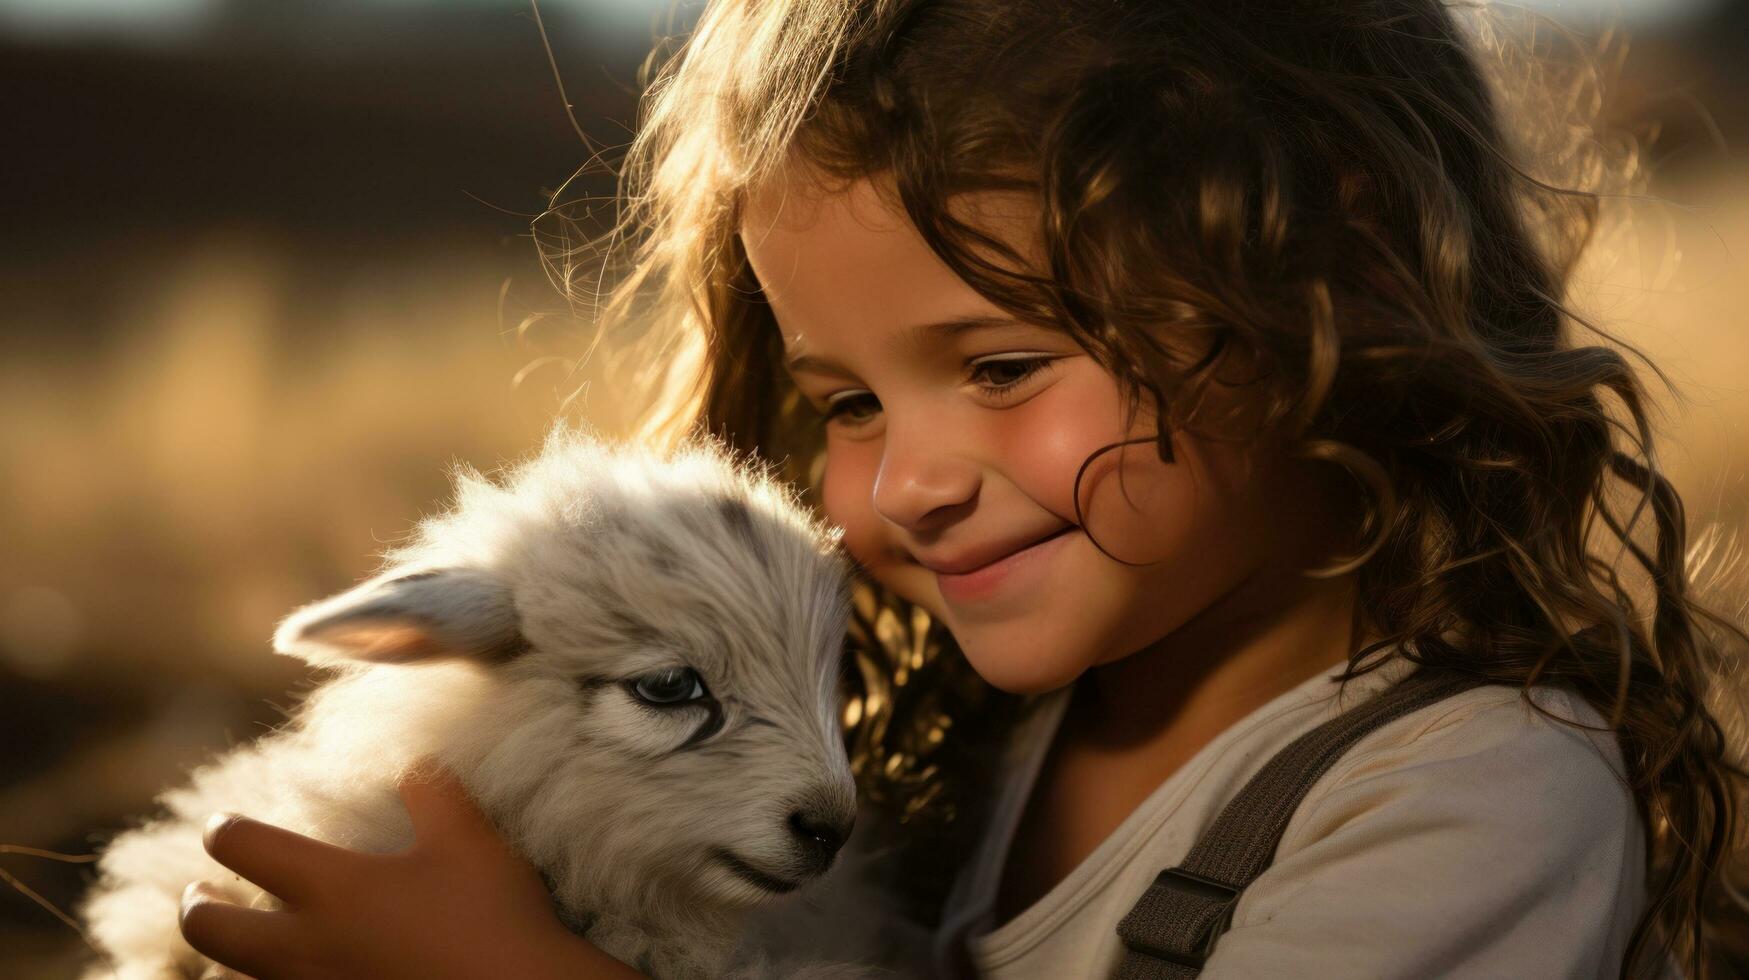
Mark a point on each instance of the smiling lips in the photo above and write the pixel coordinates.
(975, 576)
(977, 558)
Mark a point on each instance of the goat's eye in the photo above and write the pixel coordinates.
(676, 685)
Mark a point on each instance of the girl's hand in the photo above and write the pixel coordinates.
(458, 903)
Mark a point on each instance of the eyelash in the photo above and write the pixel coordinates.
(1033, 366)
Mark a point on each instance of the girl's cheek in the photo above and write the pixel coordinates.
(1043, 443)
(847, 494)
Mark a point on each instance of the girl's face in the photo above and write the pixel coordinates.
(953, 438)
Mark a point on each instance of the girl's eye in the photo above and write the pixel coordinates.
(852, 409)
(994, 376)
(673, 686)
(1003, 374)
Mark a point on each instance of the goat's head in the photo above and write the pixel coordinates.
(658, 643)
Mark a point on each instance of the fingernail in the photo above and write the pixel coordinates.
(216, 821)
(196, 893)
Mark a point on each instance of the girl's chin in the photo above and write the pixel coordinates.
(1011, 654)
(1021, 667)
(1025, 679)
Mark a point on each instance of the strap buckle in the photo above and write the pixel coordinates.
(1208, 893)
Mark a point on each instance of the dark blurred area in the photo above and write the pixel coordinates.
(266, 272)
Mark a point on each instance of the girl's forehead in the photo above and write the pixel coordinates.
(792, 202)
(845, 285)
(796, 198)
(847, 260)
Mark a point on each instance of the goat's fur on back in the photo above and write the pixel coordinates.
(535, 639)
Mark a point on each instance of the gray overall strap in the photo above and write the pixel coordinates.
(1173, 927)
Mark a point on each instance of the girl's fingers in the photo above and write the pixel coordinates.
(439, 805)
(255, 941)
(288, 866)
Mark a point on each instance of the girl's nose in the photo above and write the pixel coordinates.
(921, 475)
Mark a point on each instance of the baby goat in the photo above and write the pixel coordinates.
(630, 662)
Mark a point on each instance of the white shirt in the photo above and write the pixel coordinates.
(1470, 838)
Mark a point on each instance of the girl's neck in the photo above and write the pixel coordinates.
(1267, 636)
(1134, 722)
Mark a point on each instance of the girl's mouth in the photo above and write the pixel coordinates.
(1002, 575)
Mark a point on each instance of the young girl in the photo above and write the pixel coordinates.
(1202, 369)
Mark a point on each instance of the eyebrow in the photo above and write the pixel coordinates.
(921, 335)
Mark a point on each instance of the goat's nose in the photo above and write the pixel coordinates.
(821, 832)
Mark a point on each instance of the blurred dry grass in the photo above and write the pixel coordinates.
(219, 460)
(1673, 281)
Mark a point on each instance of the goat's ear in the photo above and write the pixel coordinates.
(402, 617)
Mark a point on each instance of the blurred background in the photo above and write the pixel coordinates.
(265, 270)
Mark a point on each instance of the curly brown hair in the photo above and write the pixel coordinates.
(1338, 195)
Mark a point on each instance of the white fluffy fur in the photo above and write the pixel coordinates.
(506, 656)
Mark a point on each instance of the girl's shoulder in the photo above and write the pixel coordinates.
(1543, 758)
(1496, 835)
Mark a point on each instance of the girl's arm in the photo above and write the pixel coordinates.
(457, 904)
